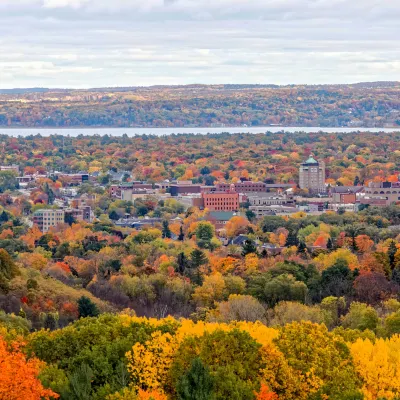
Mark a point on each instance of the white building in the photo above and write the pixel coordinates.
(312, 176)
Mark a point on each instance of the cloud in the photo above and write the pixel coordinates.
(92, 43)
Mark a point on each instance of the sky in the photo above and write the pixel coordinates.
(107, 43)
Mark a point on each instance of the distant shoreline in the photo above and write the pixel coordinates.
(131, 132)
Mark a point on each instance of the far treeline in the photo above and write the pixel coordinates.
(368, 105)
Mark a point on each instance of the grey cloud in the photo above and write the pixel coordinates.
(88, 43)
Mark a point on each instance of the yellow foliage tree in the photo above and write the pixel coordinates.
(378, 364)
(325, 261)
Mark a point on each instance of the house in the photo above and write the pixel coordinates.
(219, 218)
(239, 240)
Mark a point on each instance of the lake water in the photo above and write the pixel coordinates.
(169, 131)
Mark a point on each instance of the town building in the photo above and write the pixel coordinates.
(12, 168)
(268, 199)
(72, 179)
(48, 218)
(221, 201)
(82, 213)
(346, 194)
(312, 175)
(382, 192)
(219, 218)
(264, 211)
(242, 187)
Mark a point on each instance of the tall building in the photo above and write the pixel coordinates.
(312, 175)
(221, 201)
(47, 218)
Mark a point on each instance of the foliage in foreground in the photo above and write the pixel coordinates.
(119, 357)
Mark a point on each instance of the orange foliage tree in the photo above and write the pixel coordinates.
(19, 376)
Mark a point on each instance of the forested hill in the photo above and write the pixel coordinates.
(372, 104)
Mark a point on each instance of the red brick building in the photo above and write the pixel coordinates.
(221, 201)
(242, 187)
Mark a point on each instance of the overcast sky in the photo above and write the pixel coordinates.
(98, 43)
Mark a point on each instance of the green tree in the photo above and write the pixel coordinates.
(196, 383)
(182, 263)
(8, 270)
(301, 248)
(87, 308)
(4, 217)
(249, 247)
(50, 194)
(166, 232)
(8, 181)
(233, 359)
(391, 253)
(181, 236)
(197, 258)
(113, 215)
(81, 383)
(337, 280)
(204, 233)
(69, 219)
(292, 239)
(250, 215)
(361, 316)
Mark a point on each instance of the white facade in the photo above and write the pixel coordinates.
(312, 176)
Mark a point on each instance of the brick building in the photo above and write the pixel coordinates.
(221, 201)
(242, 187)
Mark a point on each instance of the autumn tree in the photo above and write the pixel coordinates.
(8, 270)
(19, 376)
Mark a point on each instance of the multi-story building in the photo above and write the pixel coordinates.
(221, 201)
(12, 168)
(312, 175)
(45, 219)
(73, 179)
(82, 213)
(346, 194)
(268, 199)
(376, 192)
(242, 187)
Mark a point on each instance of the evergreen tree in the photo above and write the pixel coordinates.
(51, 321)
(113, 215)
(356, 181)
(87, 308)
(292, 239)
(396, 275)
(197, 383)
(166, 232)
(69, 219)
(329, 244)
(3, 217)
(181, 236)
(264, 253)
(301, 248)
(183, 263)
(379, 224)
(81, 383)
(250, 215)
(50, 194)
(249, 247)
(197, 258)
(392, 250)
